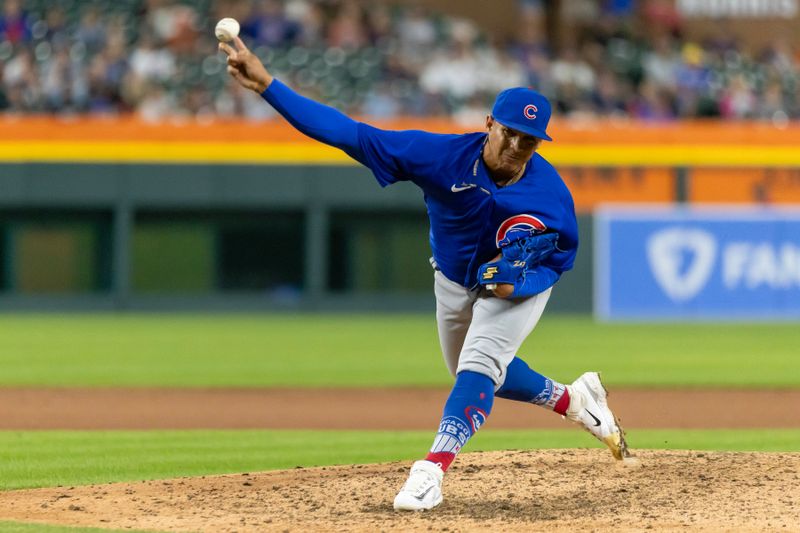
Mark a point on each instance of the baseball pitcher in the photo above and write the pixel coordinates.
(502, 232)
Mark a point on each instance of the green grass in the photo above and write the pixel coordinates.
(51, 458)
(363, 351)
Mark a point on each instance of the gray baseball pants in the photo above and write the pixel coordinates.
(480, 332)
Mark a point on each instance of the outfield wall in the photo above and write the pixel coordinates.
(176, 236)
(125, 215)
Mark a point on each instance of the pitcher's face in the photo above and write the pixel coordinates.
(507, 150)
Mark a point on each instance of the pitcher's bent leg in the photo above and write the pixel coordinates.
(499, 326)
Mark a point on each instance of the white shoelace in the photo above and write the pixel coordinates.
(418, 482)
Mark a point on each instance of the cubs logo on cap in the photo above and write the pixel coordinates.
(523, 109)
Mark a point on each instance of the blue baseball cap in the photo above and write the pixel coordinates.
(523, 109)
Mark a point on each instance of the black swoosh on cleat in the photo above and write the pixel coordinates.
(596, 420)
(421, 496)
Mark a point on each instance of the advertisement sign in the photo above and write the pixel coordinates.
(752, 24)
(738, 8)
(697, 263)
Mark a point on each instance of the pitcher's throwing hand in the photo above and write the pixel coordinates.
(245, 67)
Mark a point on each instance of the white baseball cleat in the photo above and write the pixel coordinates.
(423, 489)
(588, 407)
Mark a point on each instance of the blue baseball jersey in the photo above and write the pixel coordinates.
(469, 214)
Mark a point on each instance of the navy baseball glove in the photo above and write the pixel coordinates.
(520, 258)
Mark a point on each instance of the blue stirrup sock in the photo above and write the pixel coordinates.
(525, 385)
(465, 411)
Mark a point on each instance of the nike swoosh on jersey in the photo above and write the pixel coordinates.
(463, 187)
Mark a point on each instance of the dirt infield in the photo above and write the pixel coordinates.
(564, 490)
(367, 409)
(569, 490)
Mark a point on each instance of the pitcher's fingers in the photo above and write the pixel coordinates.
(236, 74)
(225, 47)
(240, 44)
(242, 79)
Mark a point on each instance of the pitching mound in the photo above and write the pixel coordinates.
(501, 491)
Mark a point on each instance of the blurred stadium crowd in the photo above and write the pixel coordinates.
(158, 58)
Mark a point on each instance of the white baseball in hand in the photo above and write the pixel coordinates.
(226, 29)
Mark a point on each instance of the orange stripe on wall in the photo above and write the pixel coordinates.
(564, 132)
(592, 186)
(741, 185)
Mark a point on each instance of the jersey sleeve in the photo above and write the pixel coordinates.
(318, 121)
(536, 280)
(402, 155)
(567, 245)
(391, 155)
